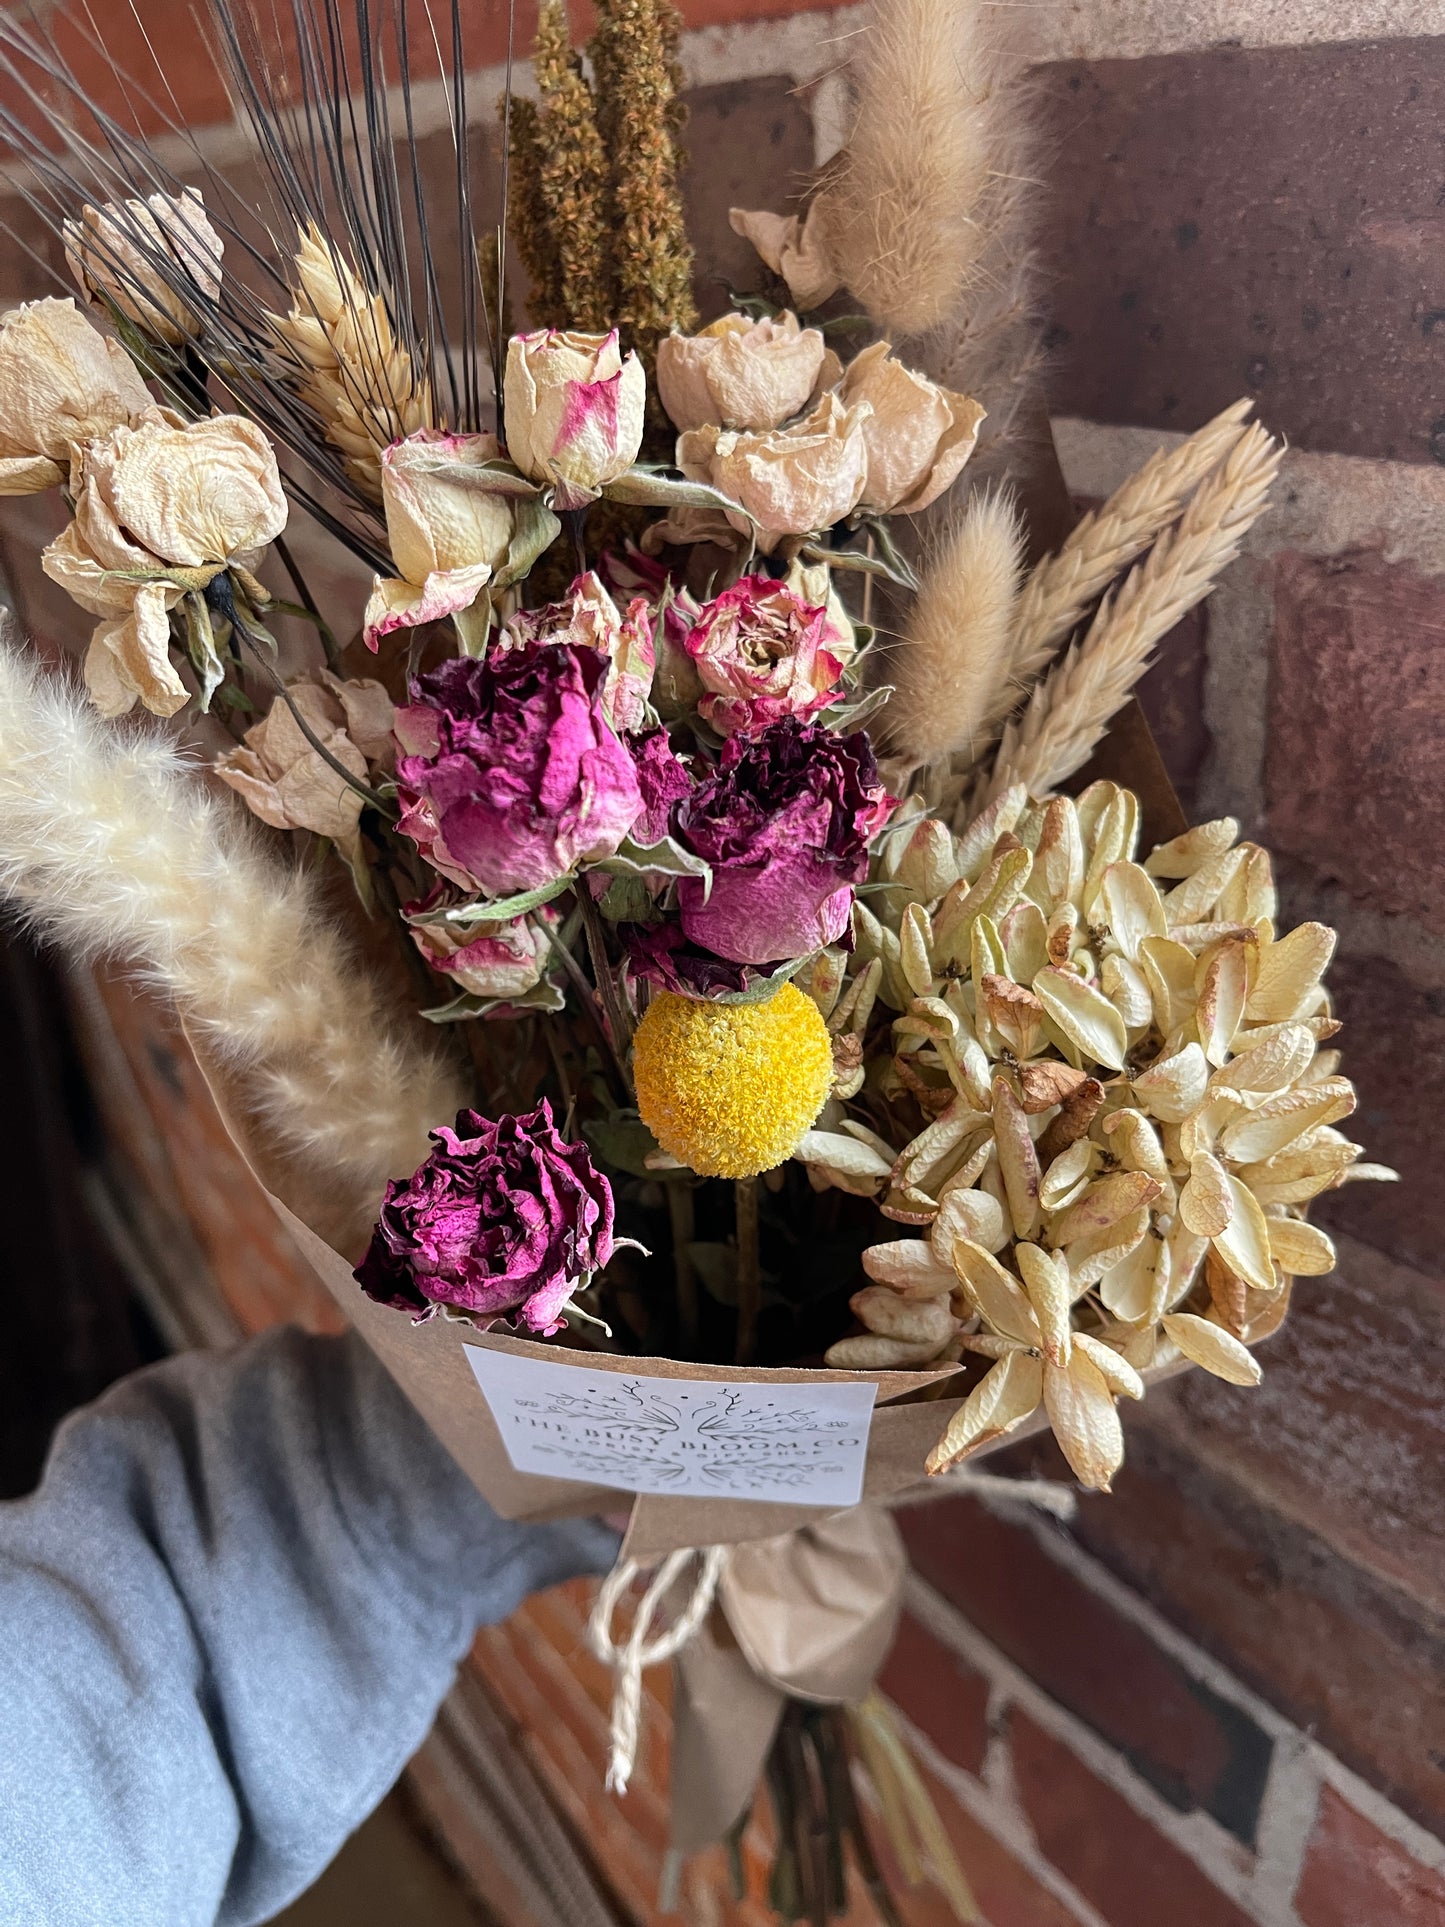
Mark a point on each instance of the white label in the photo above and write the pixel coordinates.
(701, 1438)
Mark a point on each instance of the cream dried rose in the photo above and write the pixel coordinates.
(795, 249)
(135, 256)
(791, 481)
(62, 384)
(573, 409)
(739, 372)
(283, 779)
(160, 510)
(446, 538)
(919, 435)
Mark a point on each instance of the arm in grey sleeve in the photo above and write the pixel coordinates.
(227, 1618)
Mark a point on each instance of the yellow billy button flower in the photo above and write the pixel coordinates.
(729, 1089)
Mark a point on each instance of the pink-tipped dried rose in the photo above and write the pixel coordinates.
(573, 407)
(785, 822)
(588, 616)
(493, 960)
(504, 1216)
(510, 774)
(762, 653)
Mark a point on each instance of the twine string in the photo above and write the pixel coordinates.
(631, 1656)
(639, 1650)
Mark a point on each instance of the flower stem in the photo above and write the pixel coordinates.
(618, 1019)
(683, 1221)
(750, 1286)
(308, 602)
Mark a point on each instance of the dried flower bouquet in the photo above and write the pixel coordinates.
(731, 1003)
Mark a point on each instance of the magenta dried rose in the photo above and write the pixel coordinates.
(588, 616)
(762, 653)
(504, 1216)
(785, 821)
(510, 773)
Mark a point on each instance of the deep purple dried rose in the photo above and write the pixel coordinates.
(504, 1216)
(785, 820)
(510, 773)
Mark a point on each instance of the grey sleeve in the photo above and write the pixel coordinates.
(227, 1618)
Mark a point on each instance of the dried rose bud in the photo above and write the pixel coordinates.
(573, 408)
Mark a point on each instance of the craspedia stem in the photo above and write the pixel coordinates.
(750, 1282)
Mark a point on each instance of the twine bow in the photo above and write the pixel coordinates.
(629, 1659)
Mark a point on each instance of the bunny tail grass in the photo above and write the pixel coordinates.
(111, 845)
(950, 674)
(1071, 708)
(906, 203)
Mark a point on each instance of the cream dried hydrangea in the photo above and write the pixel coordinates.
(1101, 1107)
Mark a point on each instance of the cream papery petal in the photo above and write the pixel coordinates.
(919, 435)
(90, 581)
(952, 452)
(29, 474)
(369, 713)
(739, 372)
(684, 526)
(434, 521)
(793, 248)
(791, 481)
(114, 252)
(62, 383)
(130, 658)
(194, 495)
(395, 604)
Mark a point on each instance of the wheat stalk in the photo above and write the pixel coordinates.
(110, 844)
(1071, 708)
(955, 644)
(1062, 586)
(348, 364)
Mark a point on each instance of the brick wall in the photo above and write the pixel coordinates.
(1216, 1697)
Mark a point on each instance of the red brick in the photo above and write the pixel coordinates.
(749, 143)
(1196, 1749)
(1346, 1432)
(1355, 774)
(940, 1693)
(1260, 219)
(1394, 1049)
(1099, 1842)
(1356, 1876)
(1006, 1891)
(1356, 1661)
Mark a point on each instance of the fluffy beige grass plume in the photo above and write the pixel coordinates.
(953, 658)
(111, 844)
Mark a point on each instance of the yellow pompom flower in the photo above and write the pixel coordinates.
(729, 1089)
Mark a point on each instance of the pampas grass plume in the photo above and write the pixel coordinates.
(111, 844)
(950, 673)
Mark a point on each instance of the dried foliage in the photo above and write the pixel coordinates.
(954, 659)
(1124, 1111)
(913, 202)
(1061, 587)
(528, 217)
(572, 178)
(638, 107)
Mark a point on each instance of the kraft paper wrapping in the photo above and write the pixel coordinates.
(809, 1615)
(429, 1363)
